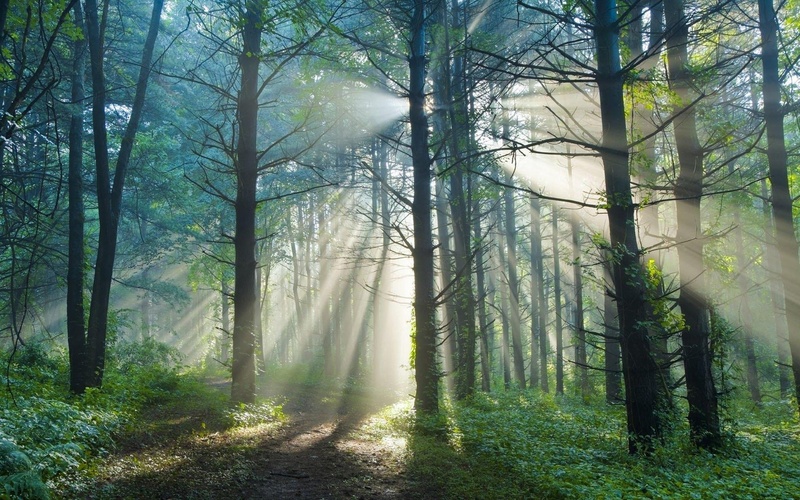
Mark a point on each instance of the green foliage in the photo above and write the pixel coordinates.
(532, 445)
(23, 486)
(45, 433)
(265, 412)
(669, 320)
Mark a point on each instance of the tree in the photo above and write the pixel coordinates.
(243, 388)
(426, 369)
(779, 179)
(639, 369)
(109, 196)
(703, 413)
(76, 321)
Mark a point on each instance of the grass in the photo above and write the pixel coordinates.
(529, 445)
(515, 444)
(53, 441)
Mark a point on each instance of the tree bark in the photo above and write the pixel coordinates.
(538, 265)
(613, 369)
(426, 369)
(243, 386)
(745, 314)
(536, 284)
(581, 359)
(697, 359)
(109, 197)
(76, 320)
(779, 178)
(513, 286)
(480, 274)
(772, 264)
(448, 312)
(226, 322)
(639, 369)
(558, 305)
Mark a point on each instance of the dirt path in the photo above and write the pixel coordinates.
(316, 454)
(319, 456)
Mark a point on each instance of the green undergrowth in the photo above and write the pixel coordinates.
(529, 445)
(47, 434)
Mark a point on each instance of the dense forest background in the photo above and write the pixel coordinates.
(449, 199)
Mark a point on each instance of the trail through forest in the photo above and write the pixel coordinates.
(185, 452)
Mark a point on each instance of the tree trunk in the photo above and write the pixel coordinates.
(558, 308)
(243, 386)
(611, 341)
(772, 264)
(779, 178)
(459, 204)
(76, 320)
(505, 350)
(581, 360)
(639, 369)
(109, 197)
(486, 367)
(448, 312)
(225, 338)
(426, 369)
(449, 122)
(538, 264)
(379, 316)
(513, 287)
(536, 285)
(697, 360)
(745, 314)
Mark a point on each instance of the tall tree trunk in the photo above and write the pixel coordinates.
(772, 264)
(745, 314)
(243, 386)
(544, 341)
(640, 372)
(426, 369)
(643, 121)
(305, 222)
(258, 329)
(505, 350)
(298, 303)
(480, 275)
(697, 361)
(225, 338)
(448, 312)
(779, 178)
(109, 197)
(449, 121)
(558, 306)
(581, 359)
(379, 315)
(613, 369)
(513, 287)
(76, 320)
(536, 285)
(459, 209)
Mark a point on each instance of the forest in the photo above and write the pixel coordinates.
(399, 249)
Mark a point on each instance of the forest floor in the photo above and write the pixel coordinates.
(184, 450)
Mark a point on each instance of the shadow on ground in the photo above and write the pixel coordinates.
(187, 452)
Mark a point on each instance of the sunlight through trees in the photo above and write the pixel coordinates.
(426, 199)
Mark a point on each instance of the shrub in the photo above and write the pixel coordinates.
(18, 480)
(55, 433)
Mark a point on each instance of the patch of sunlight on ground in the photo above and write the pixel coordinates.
(251, 432)
(388, 424)
(394, 443)
(139, 464)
